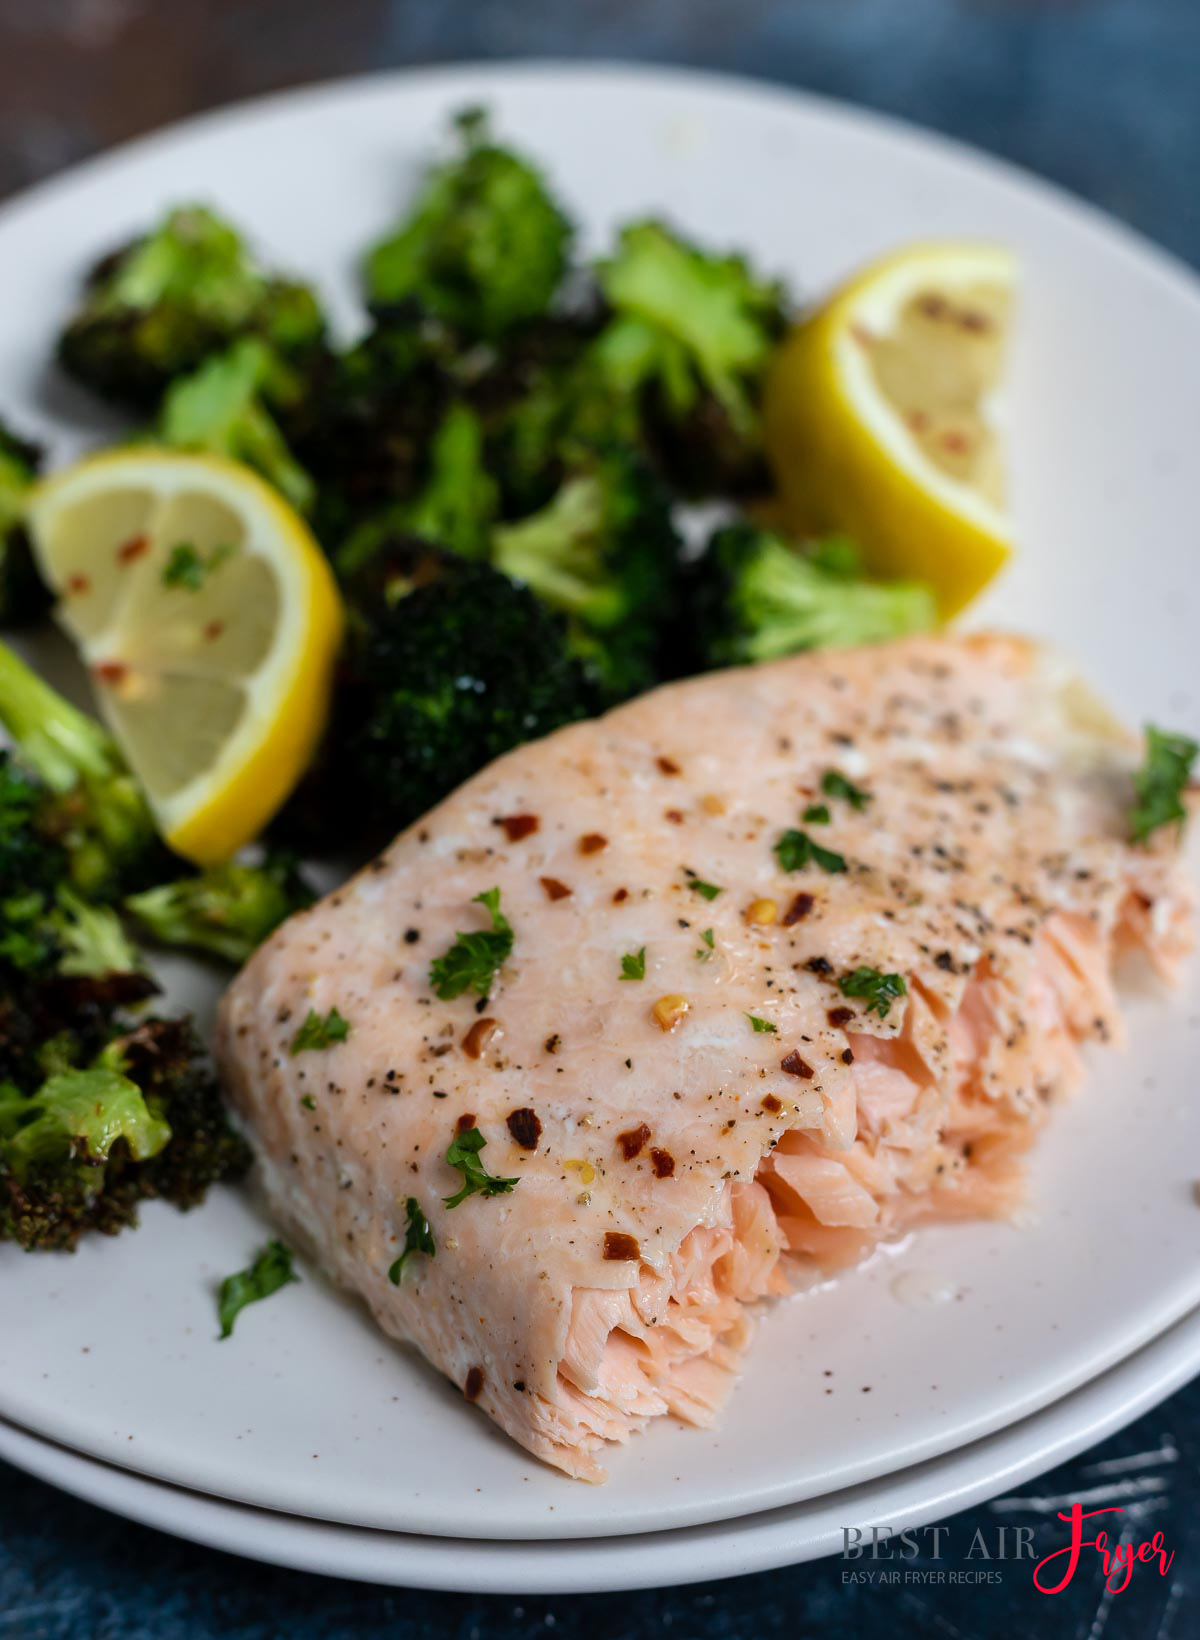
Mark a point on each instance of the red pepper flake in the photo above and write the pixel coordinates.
(213, 631)
(633, 1141)
(77, 584)
(111, 672)
(618, 1246)
(840, 1016)
(771, 1104)
(620, 895)
(136, 547)
(675, 816)
(592, 842)
(517, 826)
(918, 421)
(663, 1163)
(478, 1037)
(798, 910)
(465, 1123)
(554, 890)
(474, 1384)
(525, 1127)
(795, 1066)
(977, 322)
(668, 765)
(957, 443)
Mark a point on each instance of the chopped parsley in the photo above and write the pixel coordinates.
(835, 784)
(320, 1033)
(472, 962)
(1160, 782)
(271, 1270)
(463, 1153)
(878, 990)
(634, 965)
(817, 814)
(795, 849)
(761, 1024)
(708, 891)
(186, 567)
(418, 1239)
(706, 950)
(308, 1102)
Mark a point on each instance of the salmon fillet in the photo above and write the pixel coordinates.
(674, 1161)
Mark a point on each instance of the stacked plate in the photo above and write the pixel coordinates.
(947, 1369)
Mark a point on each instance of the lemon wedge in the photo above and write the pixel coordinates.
(209, 622)
(880, 417)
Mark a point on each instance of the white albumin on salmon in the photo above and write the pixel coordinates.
(679, 1174)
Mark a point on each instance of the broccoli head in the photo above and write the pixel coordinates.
(688, 343)
(449, 664)
(23, 596)
(228, 910)
(221, 409)
(603, 552)
(753, 597)
(484, 247)
(91, 805)
(158, 307)
(82, 1148)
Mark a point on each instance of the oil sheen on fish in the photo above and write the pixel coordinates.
(909, 865)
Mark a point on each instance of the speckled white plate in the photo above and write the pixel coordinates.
(927, 1492)
(308, 1409)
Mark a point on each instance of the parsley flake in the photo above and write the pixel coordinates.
(320, 1033)
(1160, 781)
(878, 990)
(472, 962)
(634, 965)
(418, 1239)
(817, 814)
(271, 1270)
(189, 569)
(308, 1102)
(463, 1153)
(708, 891)
(761, 1025)
(835, 784)
(795, 849)
(706, 950)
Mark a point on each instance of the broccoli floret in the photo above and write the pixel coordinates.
(93, 806)
(228, 910)
(454, 509)
(221, 410)
(605, 553)
(450, 664)
(485, 246)
(752, 597)
(687, 344)
(161, 305)
(81, 1149)
(23, 595)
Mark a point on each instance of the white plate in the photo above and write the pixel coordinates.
(929, 1492)
(308, 1409)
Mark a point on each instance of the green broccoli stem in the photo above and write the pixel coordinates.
(559, 553)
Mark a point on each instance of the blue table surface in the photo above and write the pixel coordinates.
(1099, 95)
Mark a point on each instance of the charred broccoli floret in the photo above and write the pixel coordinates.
(222, 409)
(92, 805)
(484, 247)
(687, 344)
(158, 307)
(604, 552)
(227, 910)
(450, 664)
(83, 1147)
(23, 595)
(753, 597)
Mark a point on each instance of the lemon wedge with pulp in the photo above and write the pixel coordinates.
(880, 416)
(209, 622)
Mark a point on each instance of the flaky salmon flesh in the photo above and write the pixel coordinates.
(718, 1058)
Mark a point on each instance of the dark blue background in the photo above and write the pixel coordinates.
(1100, 95)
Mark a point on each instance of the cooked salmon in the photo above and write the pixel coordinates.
(801, 956)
